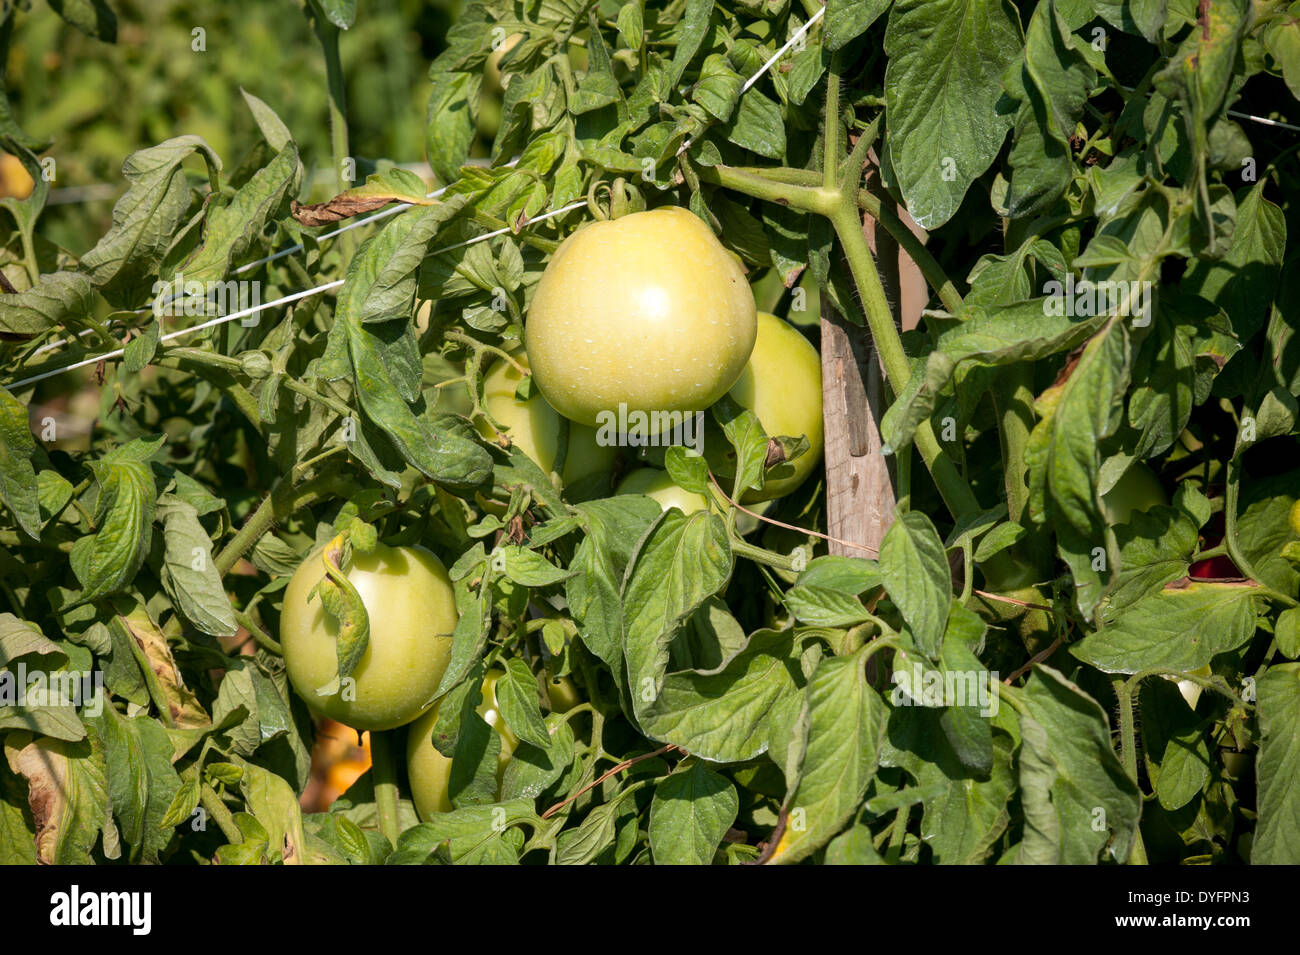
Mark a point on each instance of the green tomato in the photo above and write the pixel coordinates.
(648, 311)
(534, 427)
(1137, 490)
(657, 484)
(412, 611)
(430, 771)
(563, 694)
(1190, 689)
(782, 385)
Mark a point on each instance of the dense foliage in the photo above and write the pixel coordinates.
(1035, 668)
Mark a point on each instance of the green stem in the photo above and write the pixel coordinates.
(469, 341)
(29, 251)
(952, 486)
(383, 755)
(1127, 730)
(1230, 519)
(797, 195)
(260, 636)
(851, 173)
(220, 814)
(759, 555)
(1214, 683)
(1128, 754)
(227, 363)
(916, 250)
(831, 135)
(741, 179)
(282, 501)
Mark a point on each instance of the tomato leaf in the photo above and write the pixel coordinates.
(683, 561)
(1078, 800)
(691, 811)
(1277, 840)
(847, 724)
(517, 695)
(914, 570)
(946, 61)
(1177, 629)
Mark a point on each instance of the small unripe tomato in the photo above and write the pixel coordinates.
(412, 609)
(647, 311)
(534, 427)
(1190, 689)
(782, 385)
(1138, 490)
(492, 74)
(562, 693)
(430, 771)
(657, 484)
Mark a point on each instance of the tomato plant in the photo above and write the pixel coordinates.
(490, 441)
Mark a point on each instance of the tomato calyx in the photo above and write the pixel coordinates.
(621, 199)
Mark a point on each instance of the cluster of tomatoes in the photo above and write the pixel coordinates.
(642, 313)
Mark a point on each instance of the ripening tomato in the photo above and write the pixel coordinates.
(412, 609)
(1137, 490)
(430, 771)
(647, 311)
(1222, 567)
(15, 180)
(534, 427)
(782, 385)
(657, 484)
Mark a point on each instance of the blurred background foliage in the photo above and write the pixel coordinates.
(96, 102)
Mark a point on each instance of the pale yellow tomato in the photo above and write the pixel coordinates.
(534, 427)
(412, 609)
(782, 385)
(657, 484)
(430, 771)
(647, 311)
(1137, 490)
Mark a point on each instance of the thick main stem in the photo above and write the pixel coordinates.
(383, 771)
(220, 814)
(952, 486)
